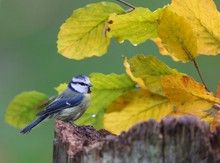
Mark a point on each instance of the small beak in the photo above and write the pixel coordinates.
(89, 90)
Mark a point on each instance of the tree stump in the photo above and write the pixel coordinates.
(182, 140)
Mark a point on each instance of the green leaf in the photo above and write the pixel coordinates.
(136, 26)
(83, 34)
(147, 71)
(23, 108)
(106, 88)
(177, 36)
(95, 120)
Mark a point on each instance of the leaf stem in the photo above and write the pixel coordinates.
(197, 67)
(127, 4)
(200, 76)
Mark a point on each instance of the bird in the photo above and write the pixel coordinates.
(68, 106)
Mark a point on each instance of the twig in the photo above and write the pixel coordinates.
(127, 4)
(200, 76)
(197, 67)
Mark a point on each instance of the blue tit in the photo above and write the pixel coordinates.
(69, 105)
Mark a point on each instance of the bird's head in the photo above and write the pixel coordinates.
(80, 84)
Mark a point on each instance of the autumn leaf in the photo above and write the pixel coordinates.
(136, 26)
(187, 95)
(82, 35)
(23, 108)
(202, 115)
(204, 18)
(135, 107)
(147, 71)
(177, 36)
(160, 45)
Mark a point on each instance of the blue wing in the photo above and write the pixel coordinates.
(62, 103)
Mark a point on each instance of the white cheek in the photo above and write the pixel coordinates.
(79, 88)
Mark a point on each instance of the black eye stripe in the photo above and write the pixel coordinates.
(81, 83)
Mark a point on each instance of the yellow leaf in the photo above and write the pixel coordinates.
(204, 116)
(177, 36)
(162, 48)
(204, 18)
(160, 45)
(136, 26)
(82, 35)
(138, 80)
(135, 107)
(187, 95)
(147, 71)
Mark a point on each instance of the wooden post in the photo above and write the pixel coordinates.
(182, 140)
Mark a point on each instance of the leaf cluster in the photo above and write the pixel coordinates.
(149, 89)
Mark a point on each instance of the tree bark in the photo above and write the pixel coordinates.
(182, 140)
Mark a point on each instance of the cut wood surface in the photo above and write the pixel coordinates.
(182, 140)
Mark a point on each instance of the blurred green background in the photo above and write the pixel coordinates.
(29, 61)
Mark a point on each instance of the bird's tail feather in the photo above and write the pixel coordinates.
(28, 128)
